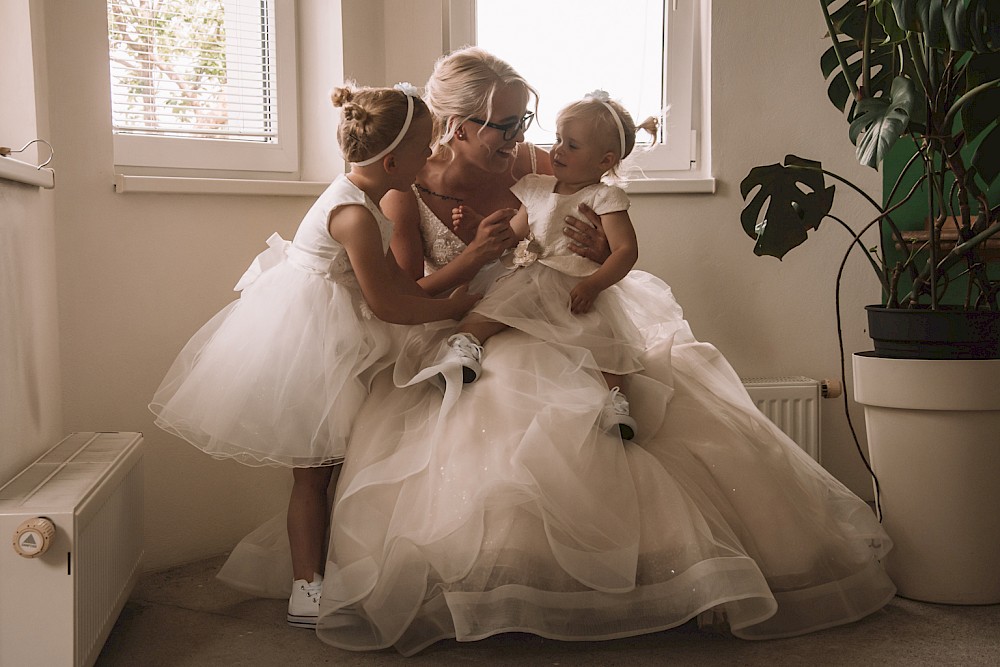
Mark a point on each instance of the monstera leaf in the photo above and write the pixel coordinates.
(980, 115)
(881, 121)
(929, 69)
(956, 25)
(849, 22)
(794, 199)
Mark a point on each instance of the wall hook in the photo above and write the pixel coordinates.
(4, 151)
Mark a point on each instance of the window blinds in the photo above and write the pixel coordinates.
(193, 68)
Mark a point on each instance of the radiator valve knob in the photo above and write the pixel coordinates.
(34, 537)
(831, 388)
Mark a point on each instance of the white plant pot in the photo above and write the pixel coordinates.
(934, 442)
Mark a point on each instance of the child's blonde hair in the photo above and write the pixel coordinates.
(463, 85)
(595, 110)
(371, 118)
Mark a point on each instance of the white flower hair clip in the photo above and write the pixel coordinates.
(599, 95)
(407, 89)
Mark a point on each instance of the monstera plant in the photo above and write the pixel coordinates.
(921, 76)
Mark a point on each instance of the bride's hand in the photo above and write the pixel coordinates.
(588, 240)
(494, 235)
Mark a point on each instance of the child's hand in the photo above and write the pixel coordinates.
(464, 218)
(494, 236)
(582, 297)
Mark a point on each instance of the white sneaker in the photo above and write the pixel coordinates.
(468, 352)
(616, 414)
(303, 606)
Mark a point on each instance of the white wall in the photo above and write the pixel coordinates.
(138, 274)
(769, 317)
(30, 419)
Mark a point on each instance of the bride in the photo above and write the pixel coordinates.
(504, 506)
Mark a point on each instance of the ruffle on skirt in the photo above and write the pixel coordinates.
(507, 508)
(278, 376)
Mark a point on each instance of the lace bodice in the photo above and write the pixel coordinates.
(441, 244)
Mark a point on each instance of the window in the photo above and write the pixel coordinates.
(204, 85)
(641, 51)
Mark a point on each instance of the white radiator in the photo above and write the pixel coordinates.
(70, 548)
(792, 403)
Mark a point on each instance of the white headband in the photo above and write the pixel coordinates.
(603, 97)
(410, 93)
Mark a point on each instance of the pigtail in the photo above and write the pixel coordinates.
(651, 126)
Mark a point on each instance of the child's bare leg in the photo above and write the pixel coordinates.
(480, 327)
(308, 514)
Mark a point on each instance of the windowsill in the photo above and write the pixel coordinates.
(128, 184)
(699, 185)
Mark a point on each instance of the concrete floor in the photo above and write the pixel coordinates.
(185, 617)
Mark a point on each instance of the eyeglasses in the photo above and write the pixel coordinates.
(511, 129)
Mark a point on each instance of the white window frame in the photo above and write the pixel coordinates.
(680, 157)
(220, 158)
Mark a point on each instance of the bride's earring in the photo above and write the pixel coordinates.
(460, 134)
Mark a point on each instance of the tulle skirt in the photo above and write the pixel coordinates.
(503, 506)
(536, 299)
(278, 376)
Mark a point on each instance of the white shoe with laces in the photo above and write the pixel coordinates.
(465, 349)
(303, 605)
(616, 414)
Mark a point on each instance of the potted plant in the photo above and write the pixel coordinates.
(923, 77)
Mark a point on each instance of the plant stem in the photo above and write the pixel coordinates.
(851, 85)
(913, 43)
(880, 272)
(953, 257)
(866, 75)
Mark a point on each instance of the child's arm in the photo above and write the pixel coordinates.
(492, 238)
(466, 216)
(406, 284)
(519, 223)
(407, 247)
(624, 254)
(355, 228)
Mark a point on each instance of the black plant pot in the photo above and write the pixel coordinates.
(922, 333)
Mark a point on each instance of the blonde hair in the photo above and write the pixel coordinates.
(593, 110)
(371, 118)
(463, 85)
